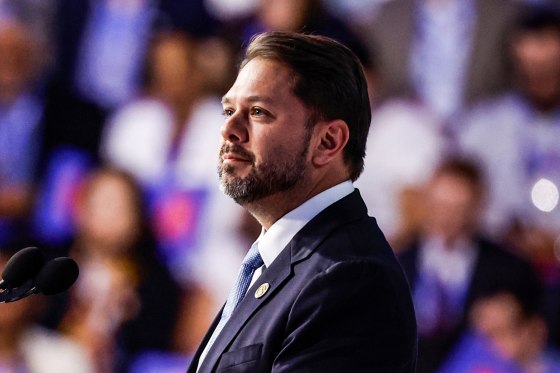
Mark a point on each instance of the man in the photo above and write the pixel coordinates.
(515, 137)
(450, 264)
(329, 295)
(443, 53)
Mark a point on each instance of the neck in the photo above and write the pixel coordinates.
(270, 209)
(542, 104)
(546, 107)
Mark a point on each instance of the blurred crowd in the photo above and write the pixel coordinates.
(109, 126)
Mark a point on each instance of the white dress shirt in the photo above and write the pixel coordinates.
(272, 241)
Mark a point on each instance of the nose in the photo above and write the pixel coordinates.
(234, 129)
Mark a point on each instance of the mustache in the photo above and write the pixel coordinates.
(237, 150)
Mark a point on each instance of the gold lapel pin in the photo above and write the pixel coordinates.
(262, 290)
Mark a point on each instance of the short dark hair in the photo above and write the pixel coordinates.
(466, 168)
(537, 18)
(328, 78)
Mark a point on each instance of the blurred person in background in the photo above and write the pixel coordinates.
(516, 330)
(21, 107)
(516, 138)
(514, 135)
(167, 139)
(125, 301)
(309, 16)
(359, 11)
(444, 53)
(102, 44)
(26, 347)
(404, 147)
(36, 115)
(405, 144)
(507, 334)
(449, 264)
(231, 10)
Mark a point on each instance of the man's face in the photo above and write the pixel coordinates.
(452, 207)
(537, 61)
(16, 59)
(265, 137)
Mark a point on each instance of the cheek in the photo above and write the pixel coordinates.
(265, 146)
(279, 153)
(508, 344)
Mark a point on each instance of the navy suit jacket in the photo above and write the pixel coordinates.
(338, 302)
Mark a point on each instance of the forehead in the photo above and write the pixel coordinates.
(265, 79)
(453, 185)
(537, 41)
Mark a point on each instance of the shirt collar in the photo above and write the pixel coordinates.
(453, 264)
(275, 239)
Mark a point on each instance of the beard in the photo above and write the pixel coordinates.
(265, 179)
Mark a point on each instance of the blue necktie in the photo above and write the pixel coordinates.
(251, 262)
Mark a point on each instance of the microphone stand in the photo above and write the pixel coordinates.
(12, 295)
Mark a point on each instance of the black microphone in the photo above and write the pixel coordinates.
(21, 267)
(56, 276)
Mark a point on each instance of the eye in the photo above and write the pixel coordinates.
(227, 112)
(257, 111)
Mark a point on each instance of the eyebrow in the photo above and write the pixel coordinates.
(226, 100)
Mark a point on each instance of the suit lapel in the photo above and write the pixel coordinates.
(275, 276)
(194, 361)
(300, 248)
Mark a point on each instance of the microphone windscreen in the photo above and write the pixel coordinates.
(57, 276)
(23, 266)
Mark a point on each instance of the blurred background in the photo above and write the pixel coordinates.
(109, 127)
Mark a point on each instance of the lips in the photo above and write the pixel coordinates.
(234, 158)
(235, 153)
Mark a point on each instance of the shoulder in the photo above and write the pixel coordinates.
(498, 259)
(358, 256)
(367, 307)
(343, 232)
(500, 269)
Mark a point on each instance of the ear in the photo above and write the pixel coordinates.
(331, 137)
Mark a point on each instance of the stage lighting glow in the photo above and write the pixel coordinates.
(545, 195)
